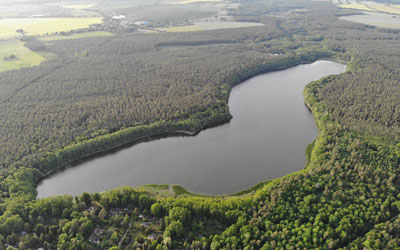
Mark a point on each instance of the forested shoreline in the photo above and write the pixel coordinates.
(130, 136)
(347, 197)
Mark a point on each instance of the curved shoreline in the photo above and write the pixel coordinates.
(145, 138)
(165, 134)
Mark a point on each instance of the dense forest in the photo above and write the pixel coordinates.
(95, 94)
(110, 83)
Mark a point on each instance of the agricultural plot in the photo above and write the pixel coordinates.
(111, 5)
(78, 6)
(14, 55)
(200, 26)
(81, 10)
(193, 1)
(225, 25)
(168, 13)
(376, 19)
(368, 6)
(84, 13)
(387, 8)
(76, 36)
(188, 28)
(42, 26)
(13, 10)
(356, 6)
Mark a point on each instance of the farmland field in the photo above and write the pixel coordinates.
(84, 13)
(199, 26)
(355, 6)
(195, 1)
(24, 56)
(76, 36)
(376, 19)
(41, 26)
(107, 5)
(169, 13)
(8, 10)
(79, 6)
(188, 28)
(368, 6)
(387, 8)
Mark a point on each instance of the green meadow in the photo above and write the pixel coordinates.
(23, 56)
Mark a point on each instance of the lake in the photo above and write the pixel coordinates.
(266, 139)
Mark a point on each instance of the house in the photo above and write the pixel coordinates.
(141, 23)
(120, 17)
(146, 224)
(90, 209)
(94, 238)
(152, 237)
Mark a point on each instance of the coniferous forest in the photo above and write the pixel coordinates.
(95, 94)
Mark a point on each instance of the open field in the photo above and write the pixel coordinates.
(355, 7)
(387, 8)
(81, 10)
(84, 13)
(376, 19)
(24, 56)
(110, 5)
(195, 1)
(225, 25)
(188, 28)
(30, 10)
(78, 6)
(351, 4)
(199, 26)
(76, 36)
(169, 13)
(41, 26)
(368, 6)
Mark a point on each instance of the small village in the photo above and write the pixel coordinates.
(135, 228)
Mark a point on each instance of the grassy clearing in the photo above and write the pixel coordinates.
(387, 8)
(79, 6)
(210, 26)
(167, 191)
(41, 26)
(76, 36)
(181, 191)
(355, 7)
(85, 13)
(225, 25)
(251, 190)
(161, 190)
(370, 6)
(376, 19)
(188, 28)
(24, 56)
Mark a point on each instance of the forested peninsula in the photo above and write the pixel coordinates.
(98, 93)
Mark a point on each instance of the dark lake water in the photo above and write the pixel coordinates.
(266, 139)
